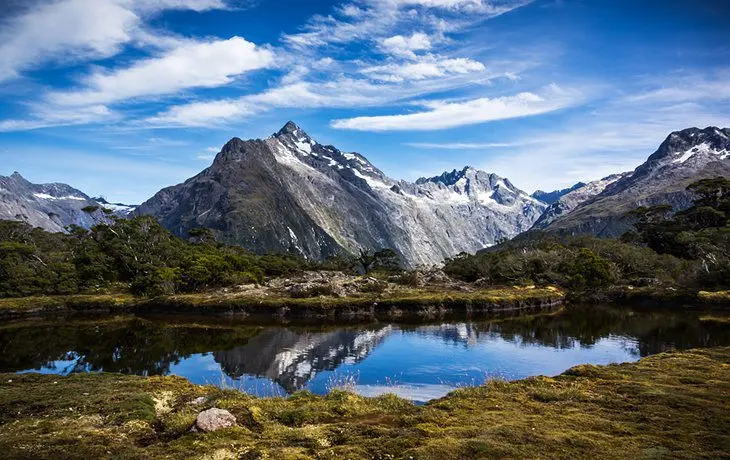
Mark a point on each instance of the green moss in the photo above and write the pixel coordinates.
(406, 300)
(667, 405)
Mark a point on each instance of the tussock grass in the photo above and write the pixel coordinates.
(674, 405)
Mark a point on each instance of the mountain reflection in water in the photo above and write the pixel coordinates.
(419, 362)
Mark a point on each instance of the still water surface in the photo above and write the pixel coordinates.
(419, 362)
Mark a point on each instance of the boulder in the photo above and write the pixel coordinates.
(214, 419)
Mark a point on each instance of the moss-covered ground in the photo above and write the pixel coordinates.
(671, 405)
(404, 300)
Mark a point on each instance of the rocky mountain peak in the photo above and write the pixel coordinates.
(17, 177)
(679, 143)
(289, 128)
(292, 132)
(467, 173)
(234, 145)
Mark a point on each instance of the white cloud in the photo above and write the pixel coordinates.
(443, 115)
(46, 116)
(473, 6)
(342, 92)
(460, 145)
(77, 30)
(191, 65)
(398, 45)
(685, 87)
(201, 114)
(369, 19)
(154, 6)
(426, 67)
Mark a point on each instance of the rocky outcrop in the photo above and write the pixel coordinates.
(288, 193)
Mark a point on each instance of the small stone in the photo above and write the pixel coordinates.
(197, 401)
(214, 419)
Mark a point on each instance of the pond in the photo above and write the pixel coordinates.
(419, 362)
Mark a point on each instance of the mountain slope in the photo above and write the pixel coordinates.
(684, 157)
(52, 207)
(288, 193)
(576, 195)
(555, 195)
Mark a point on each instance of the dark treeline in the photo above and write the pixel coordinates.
(690, 248)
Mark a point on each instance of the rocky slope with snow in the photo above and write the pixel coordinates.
(684, 157)
(555, 195)
(52, 207)
(567, 202)
(288, 193)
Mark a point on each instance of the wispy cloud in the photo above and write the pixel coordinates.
(444, 115)
(425, 67)
(44, 117)
(461, 145)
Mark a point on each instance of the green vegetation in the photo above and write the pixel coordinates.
(424, 303)
(140, 256)
(689, 250)
(138, 253)
(667, 405)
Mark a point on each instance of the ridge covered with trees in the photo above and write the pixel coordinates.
(689, 249)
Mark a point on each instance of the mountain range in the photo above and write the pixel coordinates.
(53, 207)
(684, 157)
(289, 193)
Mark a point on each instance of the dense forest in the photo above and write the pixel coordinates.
(690, 248)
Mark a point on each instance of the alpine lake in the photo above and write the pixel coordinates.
(419, 362)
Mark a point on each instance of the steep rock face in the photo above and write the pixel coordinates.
(288, 193)
(52, 207)
(575, 197)
(684, 157)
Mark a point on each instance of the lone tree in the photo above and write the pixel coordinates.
(384, 260)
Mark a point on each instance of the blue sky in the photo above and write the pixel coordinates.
(123, 97)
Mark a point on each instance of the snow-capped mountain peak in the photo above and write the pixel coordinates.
(290, 193)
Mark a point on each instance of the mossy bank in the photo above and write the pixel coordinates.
(392, 305)
(671, 405)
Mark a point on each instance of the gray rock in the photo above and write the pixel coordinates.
(214, 419)
(574, 198)
(288, 193)
(52, 207)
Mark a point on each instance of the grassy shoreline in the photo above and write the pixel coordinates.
(406, 302)
(673, 404)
